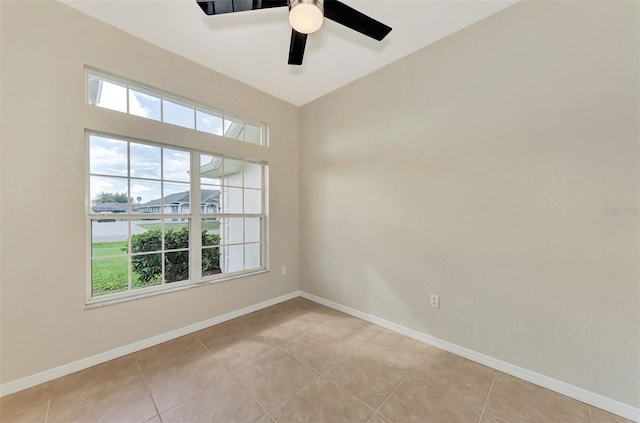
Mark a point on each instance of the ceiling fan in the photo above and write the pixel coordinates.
(305, 17)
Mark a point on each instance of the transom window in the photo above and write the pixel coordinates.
(115, 93)
(145, 234)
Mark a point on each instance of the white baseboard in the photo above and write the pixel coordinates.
(85, 363)
(588, 397)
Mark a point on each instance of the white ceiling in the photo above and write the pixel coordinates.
(253, 46)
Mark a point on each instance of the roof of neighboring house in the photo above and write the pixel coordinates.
(109, 207)
(208, 196)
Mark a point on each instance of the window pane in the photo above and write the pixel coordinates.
(176, 234)
(252, 256)
(141, 224)
(176, 266)
(210, 199)
(232, 127)
(252, 175)
(233, 172)
(210, 261)
(252, 229)
(233, 231)
(240, 136)
(177, 113)
(210, 232)
(107, 94)
(176, 198)
(145, 161)
(232, 258)
(144, 103)
(146, 236)
(253, 134)
(146, 270)
(210, 169)
(107, 156)
(210, 122)
(108, 194)
(109, 275)
(252, 201)
(109, 236)
(176, 165)
(232, 201)
(146, 197)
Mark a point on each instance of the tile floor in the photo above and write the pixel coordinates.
(294, 362)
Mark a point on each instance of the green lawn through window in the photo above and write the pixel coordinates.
(111, 275)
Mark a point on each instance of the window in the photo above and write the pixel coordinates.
(145, 235)
(240, 214)
(119, 94)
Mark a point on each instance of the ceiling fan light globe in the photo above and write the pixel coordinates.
(306, 17)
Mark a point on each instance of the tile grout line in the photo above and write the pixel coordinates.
(268, 412)
(146, 385)
(194, 395)
(46, 416)
(358, 348)
(484, 406)
(354, 397)
(547, 391)
(233, 376)
(396, 388)
(319, 375)
(451, 394)
(191, 397)
(391, 394)
(218, 361)
(322, 374)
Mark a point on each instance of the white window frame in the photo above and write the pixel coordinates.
(163, 95)
(195, 217)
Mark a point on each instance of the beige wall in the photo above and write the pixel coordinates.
(44, 48)
(482, 169)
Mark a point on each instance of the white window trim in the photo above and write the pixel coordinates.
(195, 216)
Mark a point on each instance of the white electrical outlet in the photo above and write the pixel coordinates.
(284, 270)
(435, 301)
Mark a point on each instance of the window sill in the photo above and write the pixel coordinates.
(97, 303)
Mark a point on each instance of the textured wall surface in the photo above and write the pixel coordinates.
(497, 168)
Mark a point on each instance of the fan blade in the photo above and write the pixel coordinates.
(351, 18)
(218, 7)
(296, 48)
